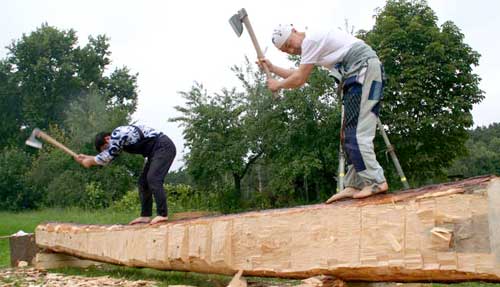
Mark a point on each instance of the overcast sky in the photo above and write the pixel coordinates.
(171, 44)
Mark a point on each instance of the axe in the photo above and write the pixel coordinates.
(37, 133)
(237, 21)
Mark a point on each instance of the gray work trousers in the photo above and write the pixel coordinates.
(361, 95)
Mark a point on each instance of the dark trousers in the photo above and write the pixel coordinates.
(153, 176)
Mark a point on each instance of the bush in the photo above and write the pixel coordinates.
(67, 189)
(14, 193)
(180, 198)
(95, 198)
(128, 203)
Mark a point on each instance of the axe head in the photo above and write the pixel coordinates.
(32, 141)
(236, 21)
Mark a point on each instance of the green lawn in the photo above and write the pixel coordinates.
(27, 221)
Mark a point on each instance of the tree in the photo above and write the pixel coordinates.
(300, 134)
(47, 71)
(483, 153)
(216, 135)
(431, 86)
(10, 106)
(14, 194)
(48, 81)
(63, 181)
(296, 137)
(180, 176)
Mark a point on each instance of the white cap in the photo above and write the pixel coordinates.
(281, 34)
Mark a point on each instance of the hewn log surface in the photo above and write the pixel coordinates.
(444, 232)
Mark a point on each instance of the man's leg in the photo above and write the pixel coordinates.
(353, 183)
(362, 105)
(163, 156)
(352, 103)
(145, 197)
(373, 174)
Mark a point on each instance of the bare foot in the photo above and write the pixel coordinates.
(371, 190)
(158, 219)
(348, 192)
(140, 220)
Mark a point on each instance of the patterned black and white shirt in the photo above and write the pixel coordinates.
(123, 136)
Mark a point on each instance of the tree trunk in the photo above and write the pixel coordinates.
(237, 186)
(306, 188)
(259, 178)
(444, 233)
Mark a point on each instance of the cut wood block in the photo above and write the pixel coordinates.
(22, 249)
(440, 233)
(43, 261)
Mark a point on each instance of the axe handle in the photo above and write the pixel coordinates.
(49, 139)
(255, 44)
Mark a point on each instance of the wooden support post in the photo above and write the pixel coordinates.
(48, 260)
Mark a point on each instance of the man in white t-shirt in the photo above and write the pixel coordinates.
(358, 68)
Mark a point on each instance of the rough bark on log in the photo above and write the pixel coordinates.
(445, 233)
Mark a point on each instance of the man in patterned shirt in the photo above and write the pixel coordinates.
(160, 153)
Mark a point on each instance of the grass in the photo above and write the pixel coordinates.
(27, 221)
(164, 278)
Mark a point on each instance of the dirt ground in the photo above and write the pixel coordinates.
(32, 277)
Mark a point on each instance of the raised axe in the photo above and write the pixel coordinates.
(237, 21)
(37, 133)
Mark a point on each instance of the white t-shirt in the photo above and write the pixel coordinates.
(326, 48)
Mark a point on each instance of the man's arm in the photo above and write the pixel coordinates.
(282, 72)
(295, 78)
(86, 160)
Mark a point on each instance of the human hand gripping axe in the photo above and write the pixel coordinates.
(237, 21)
(37, 133)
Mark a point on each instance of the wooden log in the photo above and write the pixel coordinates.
(443, 233)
